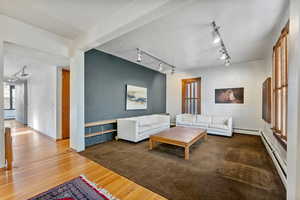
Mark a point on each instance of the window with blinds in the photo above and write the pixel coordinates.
(280, 86)
(191, 96)
(9, 96)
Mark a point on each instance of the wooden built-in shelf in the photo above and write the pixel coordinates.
(100, 133)
(98, 123)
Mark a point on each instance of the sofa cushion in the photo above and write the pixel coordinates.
(203, 119)
(145, 127)
(187, 118)
(202, 125)
(146, 120)
(219, 126)
(159, 125)
(184, 123)
(219, 120)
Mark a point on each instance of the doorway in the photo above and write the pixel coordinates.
(65, 104)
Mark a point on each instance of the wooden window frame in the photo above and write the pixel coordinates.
(280, 87)
(184, 97)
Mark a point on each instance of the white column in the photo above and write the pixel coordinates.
(293, 146)
(77, 101)
(2, 147)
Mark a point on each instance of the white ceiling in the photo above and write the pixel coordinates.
(15, 57)
(181, 36)
(184, 39)
(68, 18)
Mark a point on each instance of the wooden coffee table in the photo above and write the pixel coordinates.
(179, 136)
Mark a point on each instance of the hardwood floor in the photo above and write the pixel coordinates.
(40, 164)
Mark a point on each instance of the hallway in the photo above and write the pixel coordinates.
(30, 146)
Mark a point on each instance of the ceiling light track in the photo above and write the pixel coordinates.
(162, 66)
(217, 39)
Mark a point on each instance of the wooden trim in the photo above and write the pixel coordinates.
(183, 103)
(100, 133)
(8, 149)
(280, 91)
(280, 140)
(98, 123)
(65, 104)
(183, 95)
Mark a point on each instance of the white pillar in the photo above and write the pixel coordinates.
(293, 146)
(77, 101)
(2, 147)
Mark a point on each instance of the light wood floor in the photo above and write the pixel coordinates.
(40, 164)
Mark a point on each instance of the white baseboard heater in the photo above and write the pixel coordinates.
(279, 164)
(246, 131)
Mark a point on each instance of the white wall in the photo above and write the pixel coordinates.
(249, 75)
(42, 99)
(77, 101)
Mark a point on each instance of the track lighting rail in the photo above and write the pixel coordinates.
(141, 52)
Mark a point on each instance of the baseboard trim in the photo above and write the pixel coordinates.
(246, 131)
(276, 159)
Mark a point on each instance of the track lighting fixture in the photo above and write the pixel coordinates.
(139, 55)
(162, 66)
(217, 39)
(173, 71)
(215, 33)
(227, 62)
(223, 56)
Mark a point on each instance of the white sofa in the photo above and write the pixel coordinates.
(139, 128)
(217, 125)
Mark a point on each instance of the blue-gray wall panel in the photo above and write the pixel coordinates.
(106, 77)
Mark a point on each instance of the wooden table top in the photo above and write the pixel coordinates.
(181, 134)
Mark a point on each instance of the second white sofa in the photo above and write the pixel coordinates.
(217, 125)
(139, 128)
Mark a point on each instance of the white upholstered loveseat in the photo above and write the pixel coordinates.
(139, 128)
(217, 125)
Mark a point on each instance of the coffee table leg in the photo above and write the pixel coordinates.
(151, 144)
(187, 153)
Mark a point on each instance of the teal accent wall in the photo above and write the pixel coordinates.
(106, 77)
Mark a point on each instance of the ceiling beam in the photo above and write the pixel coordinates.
(133, 16)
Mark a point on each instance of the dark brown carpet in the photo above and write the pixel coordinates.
(237, 168)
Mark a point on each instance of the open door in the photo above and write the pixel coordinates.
(65, 104)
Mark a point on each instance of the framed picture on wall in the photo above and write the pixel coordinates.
(136, 98)
(229, 95)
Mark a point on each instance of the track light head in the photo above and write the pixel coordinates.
(216, 37)
(215, 33)
(223, 56)
(139, 55)
(227, 62)
(172, 71)
(160, 68)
